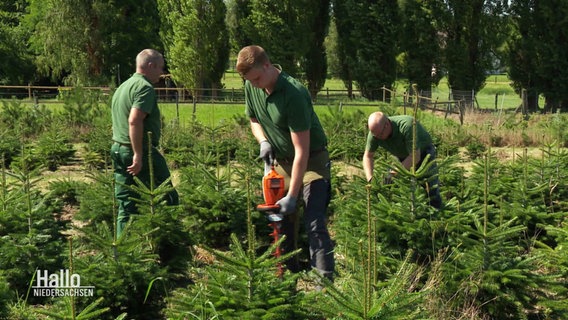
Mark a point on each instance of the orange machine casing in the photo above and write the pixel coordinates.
(272, 190)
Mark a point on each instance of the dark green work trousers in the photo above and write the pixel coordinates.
(121, 156)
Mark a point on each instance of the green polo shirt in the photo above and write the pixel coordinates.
(136, 92)
(399, 142)
(288, 109)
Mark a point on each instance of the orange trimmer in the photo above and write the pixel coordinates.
(273, 190)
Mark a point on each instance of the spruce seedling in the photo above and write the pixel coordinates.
(241, 284)
(69, 311)
(394, 299)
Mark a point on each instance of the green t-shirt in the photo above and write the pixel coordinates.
(288, 109)
(136, 92)
(399, 142)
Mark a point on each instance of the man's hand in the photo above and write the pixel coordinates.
(136, 165)
(287, 204)
(368, 164)
(266, 153)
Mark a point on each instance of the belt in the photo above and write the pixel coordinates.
(122, 144)
(128, 145)
(316, 151)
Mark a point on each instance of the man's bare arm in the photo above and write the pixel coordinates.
(136, 133)
(301, 141)
(368, 164)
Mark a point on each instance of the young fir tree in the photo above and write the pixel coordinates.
(360, 294)
(556, 302)
(403, 218)
(66, 308)
(152, 247)
(30, 234)
(491, 267)
(120, 270)
(240, 284)
(215, 201)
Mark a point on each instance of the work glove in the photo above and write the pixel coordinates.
(287, 204)
(388, 177)
(266, 152)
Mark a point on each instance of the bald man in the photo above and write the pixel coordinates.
(135, 112)
(395, 134)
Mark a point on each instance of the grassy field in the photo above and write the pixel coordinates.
(215, 114)
(497, 92)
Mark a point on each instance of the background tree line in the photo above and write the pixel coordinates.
(368, 44)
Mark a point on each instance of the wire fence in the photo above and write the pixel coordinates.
(457, 103)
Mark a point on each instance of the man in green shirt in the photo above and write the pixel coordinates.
(283, 121)
(135, 113)
(395, 134)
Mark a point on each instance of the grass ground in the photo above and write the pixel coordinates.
(216, 114)
(497, 93)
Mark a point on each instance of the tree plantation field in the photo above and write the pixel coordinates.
(497, 250)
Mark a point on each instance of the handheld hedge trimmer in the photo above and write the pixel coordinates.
(273, 190)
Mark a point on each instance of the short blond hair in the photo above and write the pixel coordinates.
(251, 57)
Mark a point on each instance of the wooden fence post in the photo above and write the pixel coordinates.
(194, 114)
(177, 106)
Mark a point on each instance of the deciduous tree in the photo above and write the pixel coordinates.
(419, 43)
(370, 28)
(238, 23)
(315, 63)
(292, 32)
(89, 42)
(537, 54)
(343, 46)
(522, 56)
(196, 41)
(15, 65)
(472, 31)
(280, 27)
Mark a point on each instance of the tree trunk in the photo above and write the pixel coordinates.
(532, 102)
